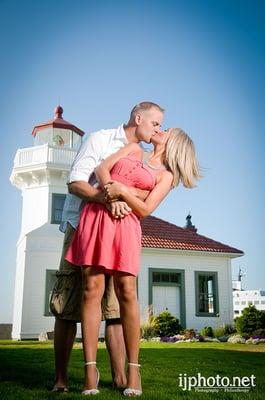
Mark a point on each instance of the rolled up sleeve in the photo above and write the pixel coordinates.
(88, 158)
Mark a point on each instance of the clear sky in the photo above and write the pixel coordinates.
(203, 61)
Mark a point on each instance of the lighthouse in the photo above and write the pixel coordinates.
(41, 173)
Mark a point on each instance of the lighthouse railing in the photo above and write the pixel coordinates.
(44, 154)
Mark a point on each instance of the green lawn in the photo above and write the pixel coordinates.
(26, 370)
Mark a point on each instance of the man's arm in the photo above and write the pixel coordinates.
(86, 191)
(119, 209)
(88, 157)
(85, 162)
(91, 194)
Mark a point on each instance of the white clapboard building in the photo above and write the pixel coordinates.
(181, 271)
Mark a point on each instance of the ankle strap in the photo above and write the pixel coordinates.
(91, 363)
(134, 364)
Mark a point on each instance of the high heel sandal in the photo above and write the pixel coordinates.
(92, 391)
(129, 392)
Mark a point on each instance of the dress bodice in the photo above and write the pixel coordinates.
(133, 172)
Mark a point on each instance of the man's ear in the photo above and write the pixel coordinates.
(138, 119)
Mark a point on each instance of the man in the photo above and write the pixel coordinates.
(145, 120)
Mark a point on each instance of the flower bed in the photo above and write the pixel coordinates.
(198, 338)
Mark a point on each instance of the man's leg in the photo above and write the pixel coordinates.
(66, 306)
(116, 348)
(114, 334)
(64, 336)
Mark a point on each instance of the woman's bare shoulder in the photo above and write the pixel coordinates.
(165, 176)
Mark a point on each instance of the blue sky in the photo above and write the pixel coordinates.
(202, 61)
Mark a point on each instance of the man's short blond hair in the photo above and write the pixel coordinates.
(144, 106)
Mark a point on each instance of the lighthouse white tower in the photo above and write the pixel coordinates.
(41, 172)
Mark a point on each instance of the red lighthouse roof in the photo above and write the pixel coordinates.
(57, 122)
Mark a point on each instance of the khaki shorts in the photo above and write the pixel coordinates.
(66, 298)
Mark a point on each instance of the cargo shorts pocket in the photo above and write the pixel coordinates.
(67, 293)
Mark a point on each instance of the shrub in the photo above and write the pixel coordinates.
(188, 333)
(220, 331)
(166, 324)
(224, 330)
(229, 329)
(148, 329)
(250, 321)
(260, 333)
(207, 331)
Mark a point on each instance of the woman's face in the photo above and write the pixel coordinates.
(160, 138)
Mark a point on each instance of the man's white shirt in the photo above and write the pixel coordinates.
(97, 147)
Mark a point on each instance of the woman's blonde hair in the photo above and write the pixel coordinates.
(180, 158)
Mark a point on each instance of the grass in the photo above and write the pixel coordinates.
(26, 370)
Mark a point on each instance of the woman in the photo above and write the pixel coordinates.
(103, 244)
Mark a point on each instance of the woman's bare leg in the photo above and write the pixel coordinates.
(125, 286)
(93, 289)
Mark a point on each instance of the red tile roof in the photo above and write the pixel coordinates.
(164, 235)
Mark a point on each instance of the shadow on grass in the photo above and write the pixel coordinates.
(32, 369)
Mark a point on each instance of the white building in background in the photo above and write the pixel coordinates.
(181, 271)
(244, 298)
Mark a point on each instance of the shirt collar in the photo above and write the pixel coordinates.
(120, 134)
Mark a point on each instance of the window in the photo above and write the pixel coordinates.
(237, 303)
(243, 303)
(236, 311)
(50, 281)
(256, 302)
(57, 207)
(169, 277)
(206, 287)
(262, 302)
(250, 303)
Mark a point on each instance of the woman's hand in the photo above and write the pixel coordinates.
(119, 209)
(113, 190)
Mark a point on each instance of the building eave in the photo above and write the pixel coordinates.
(190, 252)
